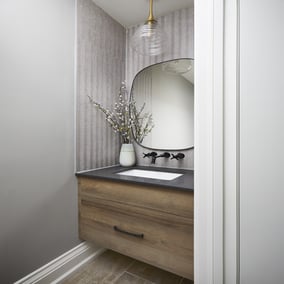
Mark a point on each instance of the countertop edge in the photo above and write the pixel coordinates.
(183, 183)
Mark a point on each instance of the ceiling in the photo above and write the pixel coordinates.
(132, 12)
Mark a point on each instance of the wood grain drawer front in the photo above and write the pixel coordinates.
(158, 198)
(169, 246)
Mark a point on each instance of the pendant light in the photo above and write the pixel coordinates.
(149, 39)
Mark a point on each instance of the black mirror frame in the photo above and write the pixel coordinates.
(131, 97)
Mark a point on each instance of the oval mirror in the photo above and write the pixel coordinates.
(166, 91)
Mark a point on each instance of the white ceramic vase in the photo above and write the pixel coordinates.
(127, 156)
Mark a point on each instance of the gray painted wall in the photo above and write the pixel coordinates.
(261, 142)
(180, 28)
(38, 199)
(101, 69)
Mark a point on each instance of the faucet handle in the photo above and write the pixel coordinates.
(178, 156)
(152, 154)
(146, 155)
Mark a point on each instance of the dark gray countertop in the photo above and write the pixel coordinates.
(184, 182)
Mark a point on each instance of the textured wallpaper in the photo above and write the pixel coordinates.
(104, 60)
(180, 29)
(100, 70)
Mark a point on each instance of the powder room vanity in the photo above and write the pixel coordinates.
(145, 218)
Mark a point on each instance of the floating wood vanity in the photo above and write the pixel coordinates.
(149, 222)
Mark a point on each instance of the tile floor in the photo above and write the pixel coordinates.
(114, 268)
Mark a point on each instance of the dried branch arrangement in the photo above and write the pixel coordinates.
(125, 119)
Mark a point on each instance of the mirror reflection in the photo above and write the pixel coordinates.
(167, 91)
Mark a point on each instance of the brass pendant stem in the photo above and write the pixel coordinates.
(151, 17)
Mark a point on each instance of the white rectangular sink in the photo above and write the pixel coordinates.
(150, 174)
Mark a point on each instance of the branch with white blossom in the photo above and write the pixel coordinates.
(125, 117)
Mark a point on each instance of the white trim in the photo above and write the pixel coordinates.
(231, 143)
(216, 191)
(75, 84)
(208, 188)
(203, 245)
(218, 140)
(61, 267)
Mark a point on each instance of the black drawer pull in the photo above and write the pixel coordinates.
(141, 236)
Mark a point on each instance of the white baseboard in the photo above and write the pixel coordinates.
(58, 269)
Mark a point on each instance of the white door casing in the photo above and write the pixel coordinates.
(216, 142)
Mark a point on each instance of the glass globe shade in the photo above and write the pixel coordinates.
(149, 39)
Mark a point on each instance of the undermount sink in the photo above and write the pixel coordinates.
(150, 174)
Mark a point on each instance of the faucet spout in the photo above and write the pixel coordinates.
(164, 155)
(154, 156)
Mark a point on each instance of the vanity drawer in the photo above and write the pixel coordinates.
(152, 197)
(161, 242)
